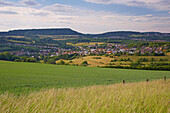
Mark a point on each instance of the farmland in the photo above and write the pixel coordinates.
(25, 77)
(142, 97)
(107, 60)
(86, 43)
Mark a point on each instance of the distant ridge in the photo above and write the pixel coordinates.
(68, 31)
(53, 31)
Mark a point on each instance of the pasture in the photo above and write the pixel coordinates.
(26, 77)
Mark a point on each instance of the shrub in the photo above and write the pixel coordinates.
(85, 63)
(17, 60)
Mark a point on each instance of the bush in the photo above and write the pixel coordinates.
(85, 63)
(31, 59)
(114, 60)
(61, 62)
(97, 58)
(51, 61)
(17, 60)
(70, 61)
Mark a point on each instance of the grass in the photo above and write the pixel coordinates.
(25, 77)
(151, 97)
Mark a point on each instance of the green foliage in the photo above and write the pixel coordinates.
(61, 62)
(51, 61)
(142, 60)
(114, 60)
(17, 60)
(97, 58)
(7, 56)
(161, 59)
(84, 63)
(8, 47)
(128, 59)
(31, 59)
(66, 56)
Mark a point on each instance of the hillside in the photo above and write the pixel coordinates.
(151, 97)
(61, 31)
(25, 77)
(68, 31)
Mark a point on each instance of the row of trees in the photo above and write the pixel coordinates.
(149, 44)
(142, 67)
(9, 57)
(46, 59)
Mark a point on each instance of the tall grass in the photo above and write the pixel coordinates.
(142, 97)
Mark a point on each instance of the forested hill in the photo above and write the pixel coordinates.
(68, 31)
(129, 33)
(61, 31)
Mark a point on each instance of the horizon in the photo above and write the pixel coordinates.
(86, 16)
(79, 31)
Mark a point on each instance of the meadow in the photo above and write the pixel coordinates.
(107, 60)
(20, 77)
(142, 97)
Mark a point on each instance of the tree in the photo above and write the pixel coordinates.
(51, 61)
(17, 60)
(31, 59)
(61, 62)
(8, 56)
(85, 63)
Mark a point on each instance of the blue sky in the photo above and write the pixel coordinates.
(87, 16)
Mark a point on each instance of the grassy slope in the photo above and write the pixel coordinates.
(151, 97)
(105, 60)
(23, 77)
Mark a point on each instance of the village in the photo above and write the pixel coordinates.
(95, 49)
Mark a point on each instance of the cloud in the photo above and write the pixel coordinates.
(30, 3)
(5, 3)
(8, 12)
(39, 13)
(87, 21)
(161, 5)
(60, 8)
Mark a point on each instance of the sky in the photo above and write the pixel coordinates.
(86, 16)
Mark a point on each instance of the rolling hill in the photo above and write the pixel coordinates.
(68, 31)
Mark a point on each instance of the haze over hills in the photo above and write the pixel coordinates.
(68, 31)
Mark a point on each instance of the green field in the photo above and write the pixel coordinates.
(24, 77)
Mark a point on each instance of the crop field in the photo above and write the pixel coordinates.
(19, 41)
(25, 77)
(16, 36)
(85, 43)
(142, 97)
